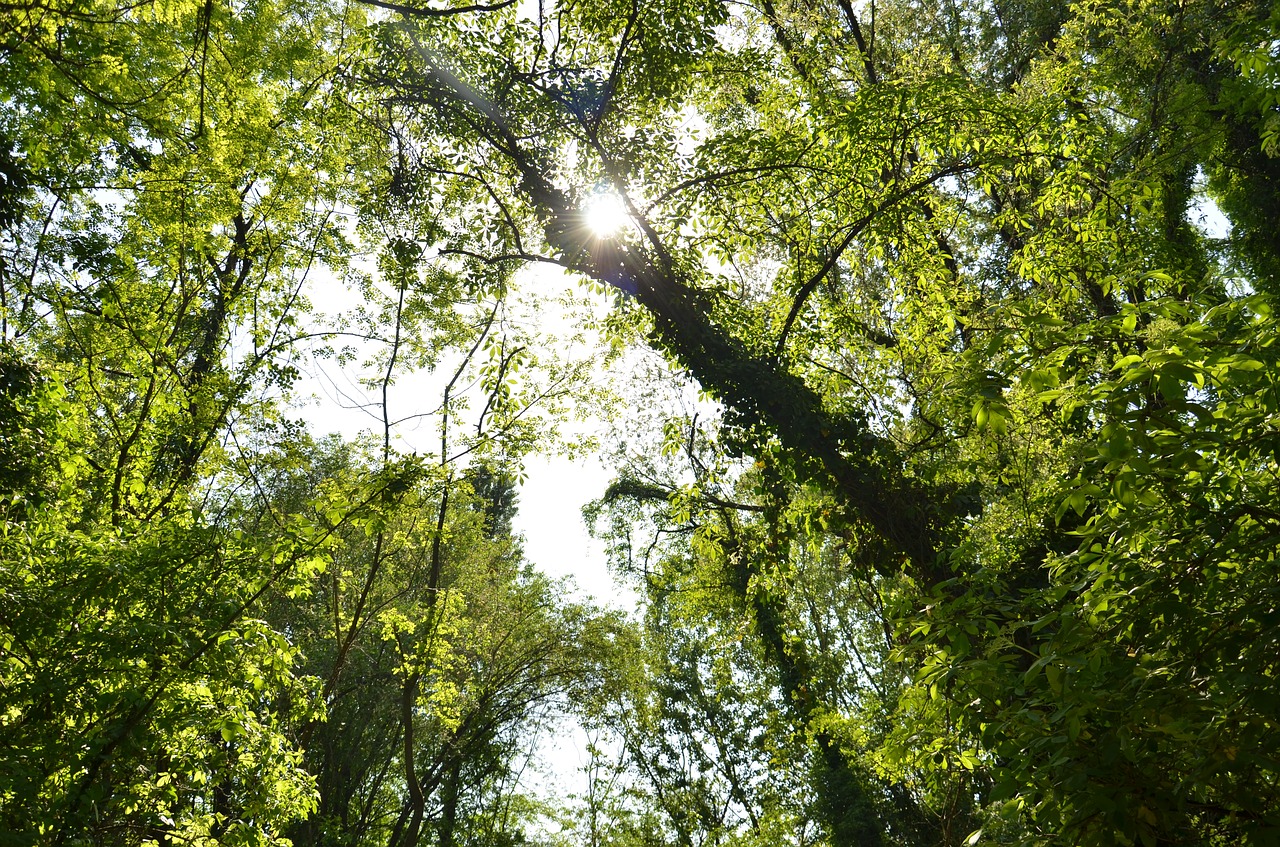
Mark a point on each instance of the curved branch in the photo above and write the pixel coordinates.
(722, 175)
(854, 231)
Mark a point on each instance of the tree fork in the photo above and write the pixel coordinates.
(863, 468)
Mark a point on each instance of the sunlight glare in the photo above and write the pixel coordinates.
(606, 214)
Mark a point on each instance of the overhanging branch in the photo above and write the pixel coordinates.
(862, 468)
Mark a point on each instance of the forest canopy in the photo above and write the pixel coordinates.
(966, 538)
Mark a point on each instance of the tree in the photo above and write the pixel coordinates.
(764, 599)
(162, 200)
(169, 654)
(139, 695)
(938, 265)
(438, 651)
(998, 414)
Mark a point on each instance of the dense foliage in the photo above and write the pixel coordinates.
(969, 538)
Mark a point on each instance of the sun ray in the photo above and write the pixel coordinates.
(606, 214)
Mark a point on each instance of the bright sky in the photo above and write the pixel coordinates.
(556, 488)
(550, 519)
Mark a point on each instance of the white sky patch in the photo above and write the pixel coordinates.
(556, 537)
(1204, 211)
(1206, 214)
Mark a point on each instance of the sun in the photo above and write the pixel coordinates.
(606, 214)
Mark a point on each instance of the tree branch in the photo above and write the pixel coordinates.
(421, 12)
(855, 230)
